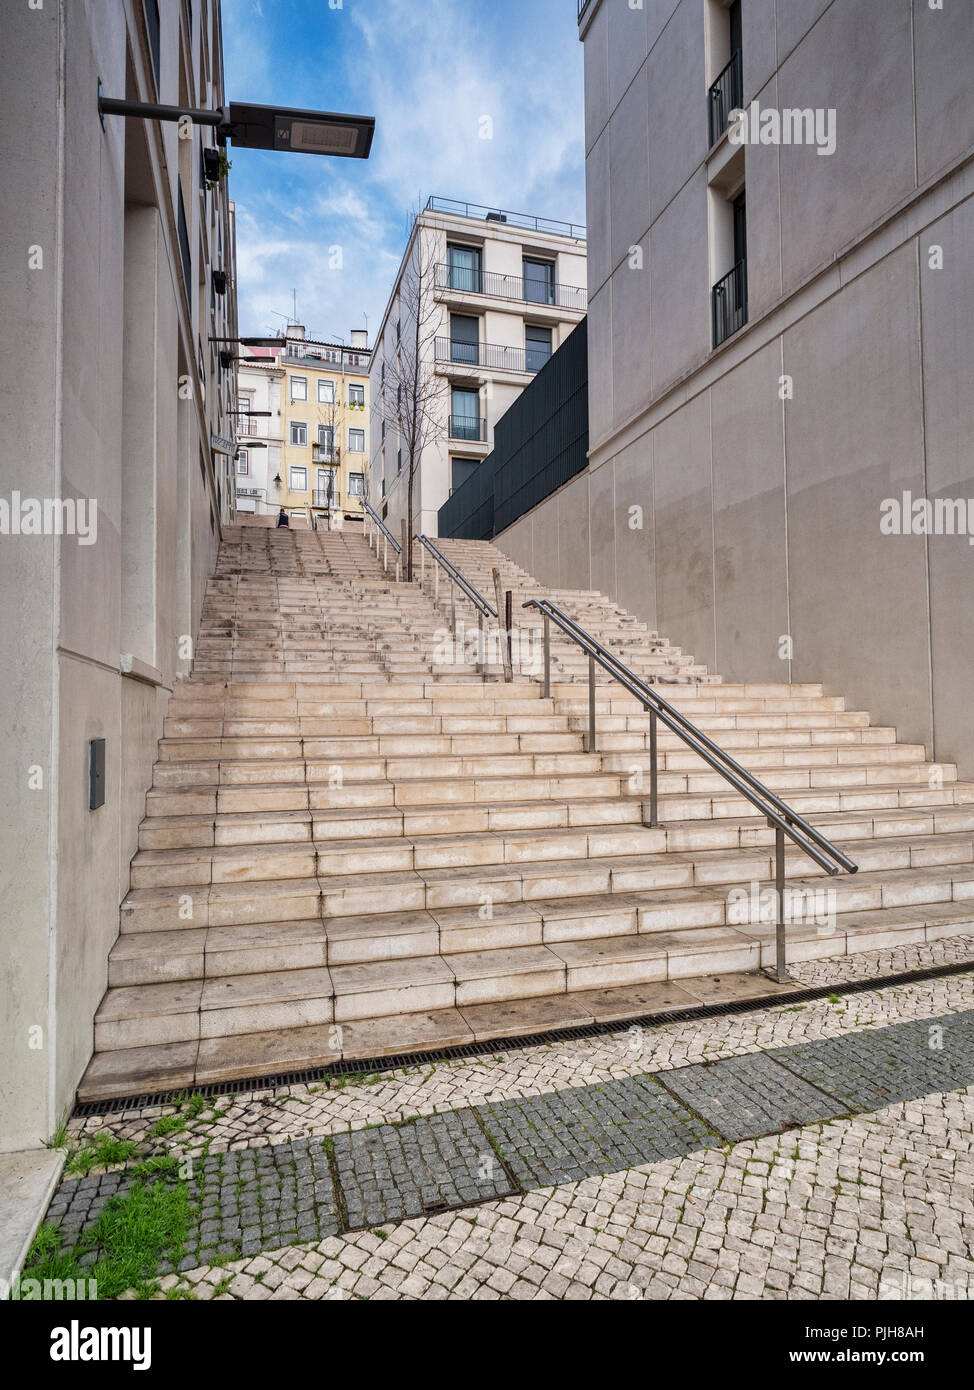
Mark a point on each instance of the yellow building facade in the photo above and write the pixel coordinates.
(324, 426)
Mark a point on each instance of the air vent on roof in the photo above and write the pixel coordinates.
(496, 217)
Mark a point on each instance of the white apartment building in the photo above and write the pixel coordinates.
(259, 438)
(501, 291)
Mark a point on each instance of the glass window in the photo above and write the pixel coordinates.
(356, 484)
(297, 478)
(356, 396)
(299, 388)
(464, 333)
(299, 433)
(460, 471)
(243, 461)
(463, 264)
(356, 441)
(464, 414)
(326, 437)
(539, 281)
(326, 393)
(537, 343)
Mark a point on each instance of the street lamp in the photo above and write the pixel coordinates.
(262, 127)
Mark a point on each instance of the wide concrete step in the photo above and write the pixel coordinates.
(234, 1004)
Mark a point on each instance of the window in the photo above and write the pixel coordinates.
(243, 461)
(326, 393)
(297, 478)
(299, 388)
(383, 429)
(465, 414)
(356, 484)
(326, 437)
(460, 471)
(463, 269)
(399, 459)
(539, 281)
(299, 433)
(464, 333)
(537, 345)
(356, 396)
(356, 441)
(153, 27)
(325, 490)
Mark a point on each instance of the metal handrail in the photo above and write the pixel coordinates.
(779, 815)
(382, 526)
(379, 527)
(473, 594)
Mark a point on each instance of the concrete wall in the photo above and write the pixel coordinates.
(760, 516)
(98, 334)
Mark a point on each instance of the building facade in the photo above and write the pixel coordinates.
(779, 362)
(117, 418)
(324, 427)
(496, 294)
(259, 440)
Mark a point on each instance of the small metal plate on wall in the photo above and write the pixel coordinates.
(96, 773)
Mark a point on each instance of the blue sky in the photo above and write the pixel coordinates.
(429, 71)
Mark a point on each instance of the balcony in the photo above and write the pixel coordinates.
(468, 280)
(729, 303)
(468, 427)
(326, 497)
(494, 356)
(324, 453)
(725, 95)
(477, 212)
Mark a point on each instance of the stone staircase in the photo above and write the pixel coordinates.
(355, 846)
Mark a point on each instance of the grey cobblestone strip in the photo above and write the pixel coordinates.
(567, 1135)
(905, 1061)
(745, 1097)
(420, 1166)
(262, 1198)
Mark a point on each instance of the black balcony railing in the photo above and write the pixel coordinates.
(480, 213)
(468, 427)
(324, 453)
(492, 355)
(729, 303)
(471, 280)
(326, 497)
(725, 95)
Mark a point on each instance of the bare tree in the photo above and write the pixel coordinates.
(415, 388)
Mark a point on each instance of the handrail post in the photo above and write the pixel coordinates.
(436, 584)
(481, 663)
(546, 692)
(385, 553)
(653, 771)
(591, 704)
(453, 606)
(422, 566)
(781, 969)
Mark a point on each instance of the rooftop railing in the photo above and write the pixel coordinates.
(480, 213)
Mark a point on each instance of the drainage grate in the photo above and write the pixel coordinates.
(492, 1046)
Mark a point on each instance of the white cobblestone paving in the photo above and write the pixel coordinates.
(343, 1103)
(878, 1206)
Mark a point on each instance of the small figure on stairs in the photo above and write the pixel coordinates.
(283, 519)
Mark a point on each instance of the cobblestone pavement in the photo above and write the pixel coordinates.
(877, 1206)
(263, 1198)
